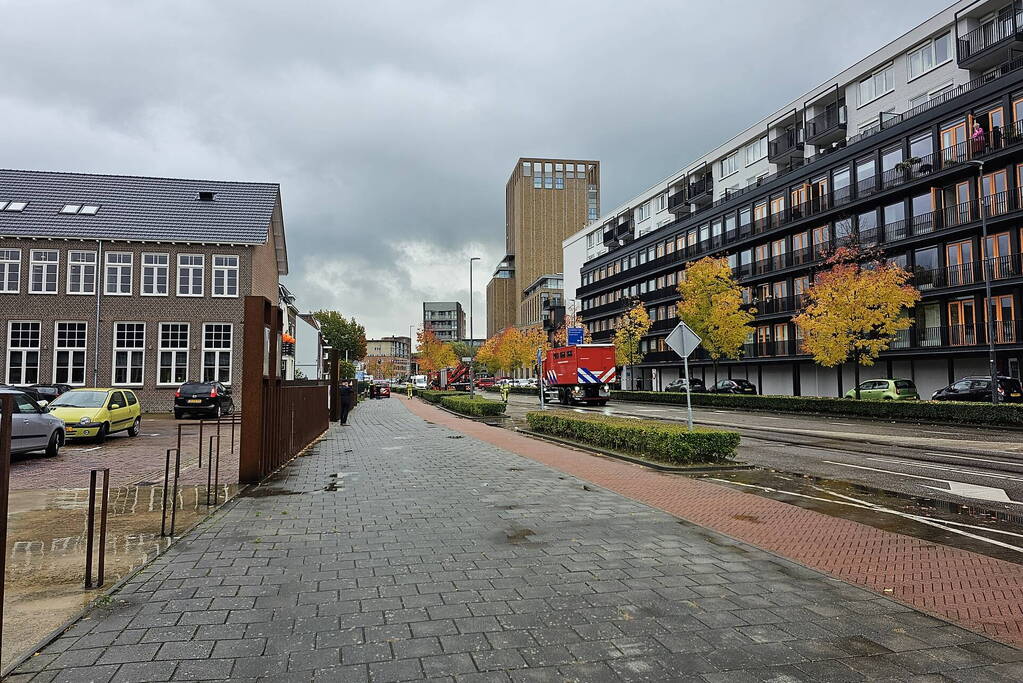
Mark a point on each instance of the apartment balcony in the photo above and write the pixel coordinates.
(788, 146)
(965, 274)
(701, 192)
(780, 304)
(958, 336)
(618, 233)
(987, 46)
(827, 127)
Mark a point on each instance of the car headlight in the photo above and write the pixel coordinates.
(84, 420)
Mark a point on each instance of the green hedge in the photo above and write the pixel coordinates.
(945, 412)
(660, 441)
(434, 395)
(476, 407)
(531, 391)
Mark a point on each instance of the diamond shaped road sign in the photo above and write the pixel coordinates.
(683, 340)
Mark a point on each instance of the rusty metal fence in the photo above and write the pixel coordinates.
(280, 417)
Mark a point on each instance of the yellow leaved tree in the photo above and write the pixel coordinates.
(629, 330)
(855, 309)
(487, 356)
(710, 302)
(433, 353)
(532, 338)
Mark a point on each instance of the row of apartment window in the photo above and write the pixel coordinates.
(71, 343)
(118, 268)
(836, 186)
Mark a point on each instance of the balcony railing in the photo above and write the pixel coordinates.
(780, 304)
(972, 46)
(828, 126)
(787, 145)
(998, 268)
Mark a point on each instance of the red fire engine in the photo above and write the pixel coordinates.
(581, 374)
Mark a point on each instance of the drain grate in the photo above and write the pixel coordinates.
(457, 436)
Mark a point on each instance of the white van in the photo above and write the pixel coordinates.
(420, 381)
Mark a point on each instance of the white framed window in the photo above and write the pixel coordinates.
(155, 274)
(216, 352)
(129, 354)
(662, 201)
(190, 275)
(10, 271)
(117, 278)
(22, 352)
(225, 275)
(43, 265)
(643, 212)
(70, 340)
(756, 150)
(173, 353)
(81, 273)
(730, 164)
(930, 55)
(877, 84)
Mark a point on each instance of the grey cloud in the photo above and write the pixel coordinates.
(393, 126)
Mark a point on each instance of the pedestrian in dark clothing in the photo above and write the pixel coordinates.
(347, 401)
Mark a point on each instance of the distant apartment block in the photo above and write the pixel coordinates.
(446, 319)
(395, 352)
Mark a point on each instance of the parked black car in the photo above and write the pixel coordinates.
(734, 386)
(48, 392)
(210, 399)
(978, 388)
(680, 385)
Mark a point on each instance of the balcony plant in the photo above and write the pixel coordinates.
(906, 167)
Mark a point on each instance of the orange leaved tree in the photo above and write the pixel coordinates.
(630, 329)
(855, 309)
(711, 304)
(433, 353)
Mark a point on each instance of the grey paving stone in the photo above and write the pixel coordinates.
(453, 559)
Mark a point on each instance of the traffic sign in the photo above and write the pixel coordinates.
(575, 336)
(683, 340)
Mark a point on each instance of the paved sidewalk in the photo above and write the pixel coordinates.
(431, 554)
(977, 591)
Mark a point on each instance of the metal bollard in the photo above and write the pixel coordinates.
(91, 527)
(174, 495)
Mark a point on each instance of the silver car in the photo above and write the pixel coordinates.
(32, 428)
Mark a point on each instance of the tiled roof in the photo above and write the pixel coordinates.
(136, 208)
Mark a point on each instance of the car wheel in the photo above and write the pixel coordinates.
(104, 432)
(887, 398)
(178, 414)
(53, 447)
(136, 427)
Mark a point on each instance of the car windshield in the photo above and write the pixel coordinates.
(194, 388)
(742, 382)
(80, 399)
(45, 391)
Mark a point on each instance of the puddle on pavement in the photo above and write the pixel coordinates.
(268, 492)
(46, 551)
(887, 510)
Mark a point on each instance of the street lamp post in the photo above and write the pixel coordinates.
(472, 379)
(988, 317)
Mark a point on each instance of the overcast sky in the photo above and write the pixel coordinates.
(392, 127)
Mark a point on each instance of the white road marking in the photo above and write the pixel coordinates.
(85, 450)
(940, 524)
(947, 468)
(958, 488)
(843, 424)
(966, 457)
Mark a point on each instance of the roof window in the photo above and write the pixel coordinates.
(81, 209)
(206, 195)
(15, 206)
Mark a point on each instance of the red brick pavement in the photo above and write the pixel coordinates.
(975, 591)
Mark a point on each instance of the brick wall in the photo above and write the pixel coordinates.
(255, 273)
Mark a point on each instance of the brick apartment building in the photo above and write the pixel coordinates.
(393, 352)
(129, 281)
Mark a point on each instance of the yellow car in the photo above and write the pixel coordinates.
(98, 412)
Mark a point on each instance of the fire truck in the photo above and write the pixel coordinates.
(451, 378)
(581, 374)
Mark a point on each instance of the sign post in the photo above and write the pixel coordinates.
(684, 341)
(472, 377)
(539, 373)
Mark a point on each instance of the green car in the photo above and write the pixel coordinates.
(886, 390)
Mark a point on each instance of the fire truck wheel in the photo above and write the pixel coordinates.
(602, 403)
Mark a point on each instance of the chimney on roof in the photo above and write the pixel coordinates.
(206, 195)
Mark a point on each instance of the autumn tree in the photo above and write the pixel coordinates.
(532, 338)
(433, 353)
(710, 303)
(855, 309)
(347, 336)
(487, 357)
(383, 367)
(628, 332)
